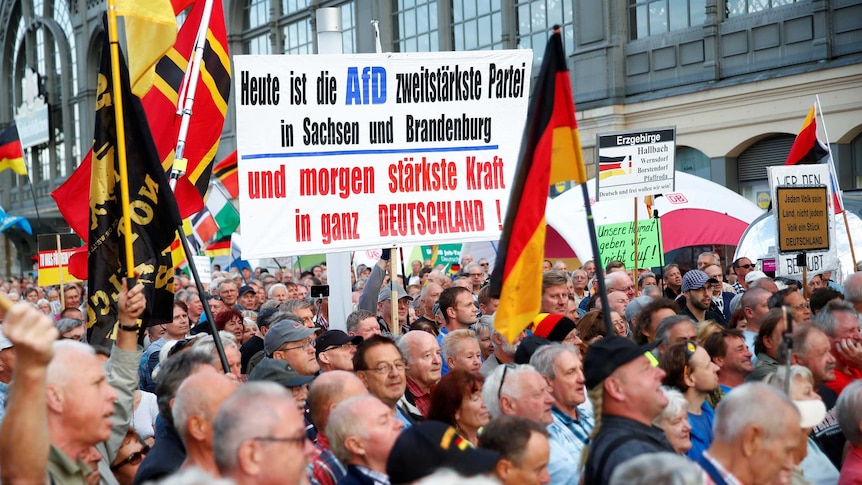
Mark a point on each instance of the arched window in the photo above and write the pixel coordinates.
(692, 161)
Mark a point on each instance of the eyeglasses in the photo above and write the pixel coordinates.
(690, 349)
(214, 297)
(348, 346)
(132, 459)
(386, 368)
(477, 274)
(308, 344)
(485, 264)
(274, 439)
(802, 306)
(503, 379)
(746, 266)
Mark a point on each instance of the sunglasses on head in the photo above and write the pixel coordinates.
(690, 349)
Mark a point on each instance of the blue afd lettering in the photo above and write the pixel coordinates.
(368, 88)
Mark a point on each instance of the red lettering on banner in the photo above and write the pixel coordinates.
(445, 217)
(267, 184)
(344, 181)
(485, 175)
(339, 226)
(424, 176)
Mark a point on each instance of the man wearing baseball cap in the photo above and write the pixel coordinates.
(248, 298)
(697, 288)
(334, 350)
(384, 306)
(293, 342)
(623, 383)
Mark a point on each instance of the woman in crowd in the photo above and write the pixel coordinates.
(231, 321)
(457, 401)
(674, 420)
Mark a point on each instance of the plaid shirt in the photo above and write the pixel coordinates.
(324, 468)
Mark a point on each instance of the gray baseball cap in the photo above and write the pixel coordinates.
(285, 331)
(386, 294)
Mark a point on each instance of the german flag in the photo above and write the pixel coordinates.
(550, 153)
(210, 105)
(11, 153)
(219, 248)
(226, 171)
(807, 148)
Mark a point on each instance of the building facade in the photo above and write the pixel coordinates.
(735, 77)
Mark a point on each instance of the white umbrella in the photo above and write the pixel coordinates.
(698, 212)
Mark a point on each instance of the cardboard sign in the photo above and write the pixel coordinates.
(635, 163)
(348, 152)
(802, 200)
(54, 266)
(617, 242)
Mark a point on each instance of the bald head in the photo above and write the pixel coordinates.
(329, 389)
(197, 401)
(411, 342)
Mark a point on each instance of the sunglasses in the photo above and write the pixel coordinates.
(690, 349)
(503, 379)
(746, 266)
(133, 459)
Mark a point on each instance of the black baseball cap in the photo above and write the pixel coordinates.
(609, 354)
(528, 346)
(438, 446)
(245, 289)
(334, 338)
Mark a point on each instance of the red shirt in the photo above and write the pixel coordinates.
(421, 399)
(842, 379)
(851, 470)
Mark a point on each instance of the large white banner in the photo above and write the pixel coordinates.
(363, 151)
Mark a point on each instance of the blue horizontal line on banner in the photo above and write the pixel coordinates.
(369, 152)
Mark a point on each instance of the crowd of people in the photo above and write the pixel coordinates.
(691, 376)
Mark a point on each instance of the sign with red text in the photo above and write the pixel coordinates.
(364, 151)
(54, 260)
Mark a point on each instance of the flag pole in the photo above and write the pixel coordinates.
(189, 88)
(635, 271)
(121, 139)
(834, 178)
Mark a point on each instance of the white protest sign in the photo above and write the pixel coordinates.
(635, 163)
(363, 151)
(798, 192)
(202, 264)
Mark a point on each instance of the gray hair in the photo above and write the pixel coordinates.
(676, 404)
(825, 318)
(734, 414)
(545, 356)
(668, 323)
(657, 469)
(355, 317)
(778, 377)
(848, 411)
(194, 476)
(485, 322)
(68, 324)
(853, 287)
(293, 305)
(511, 387)
(453, 338)
(344, 422)
(206, 345)
(274, 287)
(234, 424)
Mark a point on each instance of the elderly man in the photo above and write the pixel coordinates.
(624, 386)
(362, 432)
(325, 393)
(849, 413)
(380, 365)
(427, 298)
(504, 352)
(266, 446)
(461, 351)
(524, 450)
(63, 402)
(334, 350)
(620, 281)
(753, 444)
(840, 322)
(194, 411)
(518, 390)
(706, 259)
(727, 349)
(304, 309)
(423, 358)
(248, 298)
(570, 432)
(811, 349)
(229, 293)
(362, 323)
(293, 342)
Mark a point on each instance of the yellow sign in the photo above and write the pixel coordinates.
(763, 200)
(803, 219)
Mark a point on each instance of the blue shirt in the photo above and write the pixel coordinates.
(701, 431)
(567, 441)
(4, 389)
(444, 368)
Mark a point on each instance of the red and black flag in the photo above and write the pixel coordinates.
(153, 210)
(550, 153)
(11, 153)
(807, 147)
(210, 103)
(226, 171)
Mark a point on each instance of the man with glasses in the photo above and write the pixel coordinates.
(792, 298)
(259, 437)
(741, 267)
(335, 349)
(477, 277)
(697, 287)
(229, 293)
(381, 367)
(291, 341)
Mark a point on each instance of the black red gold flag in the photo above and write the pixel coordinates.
(550, 153)
(11, 153)
(807, 148)
(153, 211)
